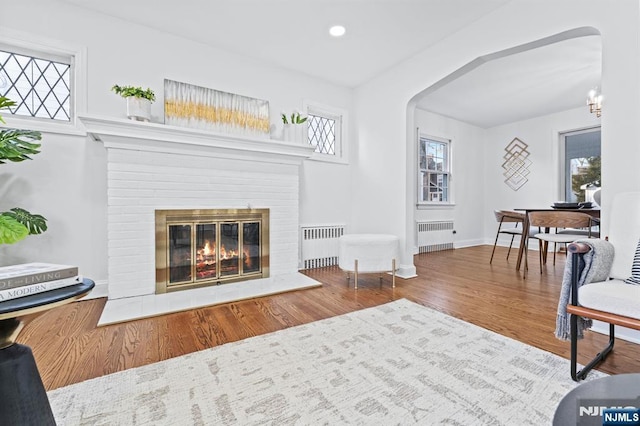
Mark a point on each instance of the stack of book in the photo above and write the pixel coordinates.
(31, 278)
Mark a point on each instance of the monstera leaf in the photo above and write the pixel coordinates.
(34, 223)
(4, 104)
(11, 231)
(16, 145)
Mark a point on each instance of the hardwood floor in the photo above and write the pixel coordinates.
(69, 348)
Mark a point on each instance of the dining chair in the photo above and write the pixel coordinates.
(557, 219)
(593, 231)
(508, 216)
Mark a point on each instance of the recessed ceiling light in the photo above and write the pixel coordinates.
(337, 31)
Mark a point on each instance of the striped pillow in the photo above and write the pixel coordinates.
(635, 269)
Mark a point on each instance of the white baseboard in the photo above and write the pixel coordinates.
(100, 290)
(468, 243)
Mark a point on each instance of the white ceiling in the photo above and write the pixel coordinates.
(540, 81)
(295, 33)
(380, 34)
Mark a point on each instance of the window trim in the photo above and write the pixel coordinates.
(562, 155)
(29, 44)
(422, 204)
(341, 155)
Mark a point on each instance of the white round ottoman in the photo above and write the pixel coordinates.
(368, 253)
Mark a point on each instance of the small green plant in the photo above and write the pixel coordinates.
(294, 118)
(136, 92)
(17, 145)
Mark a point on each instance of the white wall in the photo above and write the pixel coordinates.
(542, 134)
(325, 193)
(467, 170)
(384, 137)
(67, 182)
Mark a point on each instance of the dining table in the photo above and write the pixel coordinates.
(593, 212)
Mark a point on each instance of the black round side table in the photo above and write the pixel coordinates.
(584, 404)
(23, 398)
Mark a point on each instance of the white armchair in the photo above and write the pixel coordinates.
(604, 283)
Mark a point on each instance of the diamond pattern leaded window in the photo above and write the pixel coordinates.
(40, 87)
(322, 134)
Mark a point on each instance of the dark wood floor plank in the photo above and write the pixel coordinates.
(69, 348)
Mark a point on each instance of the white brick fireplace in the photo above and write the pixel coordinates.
(154, 166)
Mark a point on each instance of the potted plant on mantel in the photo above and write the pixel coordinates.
(17, 145)
(294, 129)
(138, 101)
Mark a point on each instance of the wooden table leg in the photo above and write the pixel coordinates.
(523, 240)
(545, 246)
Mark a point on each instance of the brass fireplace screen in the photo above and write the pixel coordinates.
(196, 248)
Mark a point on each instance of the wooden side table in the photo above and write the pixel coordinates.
(23, 398)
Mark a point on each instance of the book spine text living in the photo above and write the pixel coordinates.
(38, 278)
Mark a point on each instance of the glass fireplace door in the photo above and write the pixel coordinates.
(229, 259)
(251, 247)
(206, 249)
(197, 248)
(180, 253)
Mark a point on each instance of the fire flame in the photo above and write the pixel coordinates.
(224, 254)
(207, 250)
(207, 254)
(247, 258)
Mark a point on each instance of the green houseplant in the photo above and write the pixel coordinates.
(138, 101)
(136, 92)
(294, 131)
(17, 145)
(294, 118)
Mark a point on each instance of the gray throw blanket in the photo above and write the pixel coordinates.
(597, 265)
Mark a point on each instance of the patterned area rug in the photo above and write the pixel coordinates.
(399, 363)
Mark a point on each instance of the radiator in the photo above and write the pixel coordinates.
(319, 246)
(435, 236)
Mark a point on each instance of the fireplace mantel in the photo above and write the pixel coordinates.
(140, 136)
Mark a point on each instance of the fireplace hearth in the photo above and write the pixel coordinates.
(196, 248)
